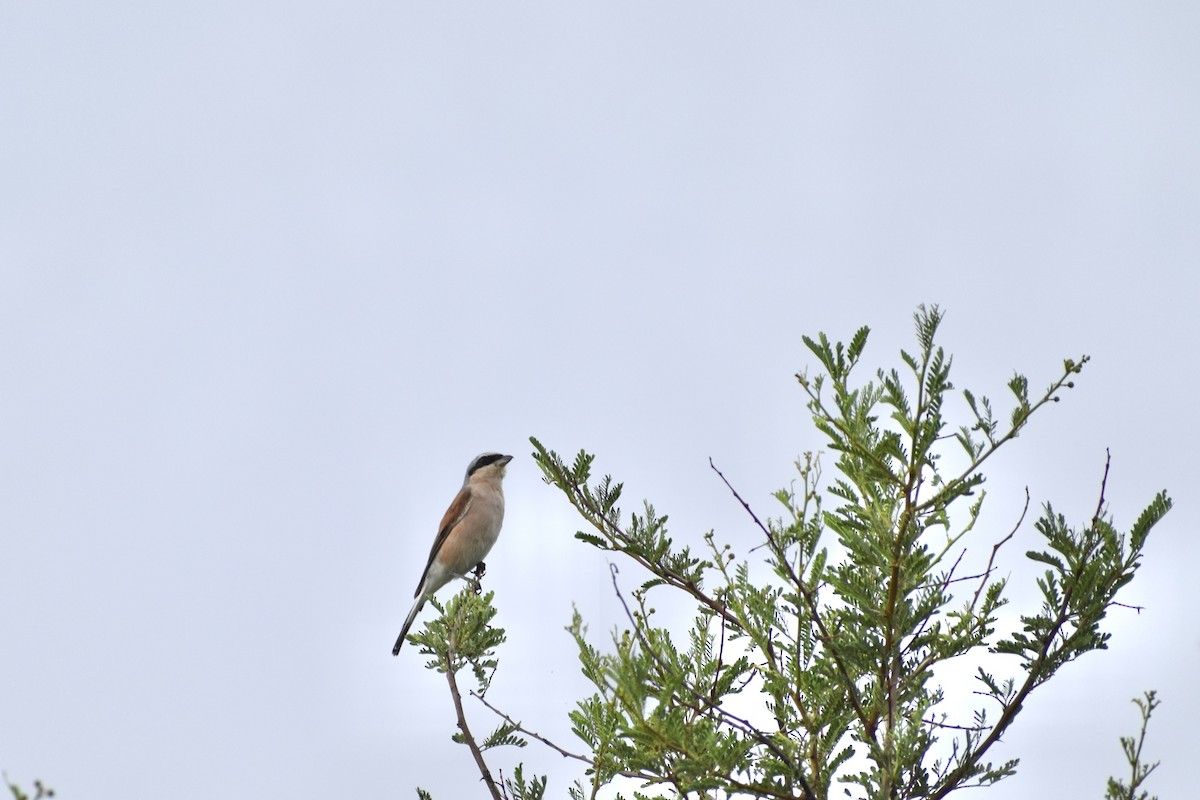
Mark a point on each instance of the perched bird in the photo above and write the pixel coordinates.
(467, 533)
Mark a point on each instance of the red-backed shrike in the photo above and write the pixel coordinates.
(467, 533)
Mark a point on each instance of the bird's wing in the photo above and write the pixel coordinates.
(456, 511)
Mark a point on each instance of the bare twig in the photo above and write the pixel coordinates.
(983, 576)
(770, 536)
(447, 659)
(960, 579)
(1103, 486)
(1138, 609)
(531, 734)
(996, 549)
(945, 583)
(972, 728)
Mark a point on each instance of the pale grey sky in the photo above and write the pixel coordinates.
(272, 273)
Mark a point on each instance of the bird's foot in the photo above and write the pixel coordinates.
(477, 579)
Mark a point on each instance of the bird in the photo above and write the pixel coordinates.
(467, 532)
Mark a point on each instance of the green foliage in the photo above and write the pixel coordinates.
(518, 788)
(644, 540)
(40, 791)
(461, 636)
(822, 678)
(1138, 769)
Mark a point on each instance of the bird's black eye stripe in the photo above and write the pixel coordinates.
(483, 461)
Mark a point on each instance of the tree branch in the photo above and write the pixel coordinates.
(1072, 368)
(1103, 487)
(700, 704)
(996, 549)
(826, 639)
(447, 658)
(532, 735)
(592, 513)
(1011, 708)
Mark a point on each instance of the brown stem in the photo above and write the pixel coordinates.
(531, 734)
(996, 548)
(1103, 487)
(466, 731)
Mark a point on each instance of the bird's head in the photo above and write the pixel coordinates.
(487, 466)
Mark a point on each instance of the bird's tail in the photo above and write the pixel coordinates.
(412, 615)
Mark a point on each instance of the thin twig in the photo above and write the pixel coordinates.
(996, 444)
(972, 728)
(531, 734)
(1138, 609)
(826, 639)
(1103, 486)
(931, 659)
(945, 583)
(996, 549)
(466, 731)
(950, 575)
(720, 663)
(960, 579)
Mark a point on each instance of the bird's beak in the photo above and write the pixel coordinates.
(504, 461)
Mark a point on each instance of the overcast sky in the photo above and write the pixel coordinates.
(272, 273)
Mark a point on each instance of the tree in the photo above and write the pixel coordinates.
(836, 654)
